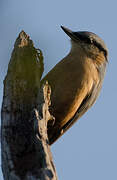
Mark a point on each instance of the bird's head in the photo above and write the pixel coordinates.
(90, 43)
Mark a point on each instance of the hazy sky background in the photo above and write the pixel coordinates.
(89, 149)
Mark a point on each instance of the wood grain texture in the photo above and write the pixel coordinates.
(24, 142)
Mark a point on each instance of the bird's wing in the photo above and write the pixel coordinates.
(85, 105)
(87, 102)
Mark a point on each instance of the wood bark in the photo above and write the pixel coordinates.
(25, 149)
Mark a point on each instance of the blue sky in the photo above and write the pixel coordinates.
(89, 149)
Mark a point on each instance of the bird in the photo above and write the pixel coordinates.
(75, 81)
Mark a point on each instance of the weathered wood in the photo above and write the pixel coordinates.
(24, 143)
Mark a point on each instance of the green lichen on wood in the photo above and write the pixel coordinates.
(25, 70)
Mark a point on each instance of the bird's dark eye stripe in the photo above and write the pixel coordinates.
(90, 41)
(100, 47)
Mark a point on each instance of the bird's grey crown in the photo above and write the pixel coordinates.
(87, 37)
(92, 38)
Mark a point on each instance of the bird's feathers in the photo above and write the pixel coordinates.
(76, 82)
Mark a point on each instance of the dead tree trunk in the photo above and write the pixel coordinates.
(25, 149)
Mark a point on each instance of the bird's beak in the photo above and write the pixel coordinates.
(69, 33)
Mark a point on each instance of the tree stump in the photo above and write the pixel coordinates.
(25, 149)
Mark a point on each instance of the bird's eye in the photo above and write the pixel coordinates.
(87, 40)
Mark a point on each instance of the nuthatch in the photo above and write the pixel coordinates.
(76, 80)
